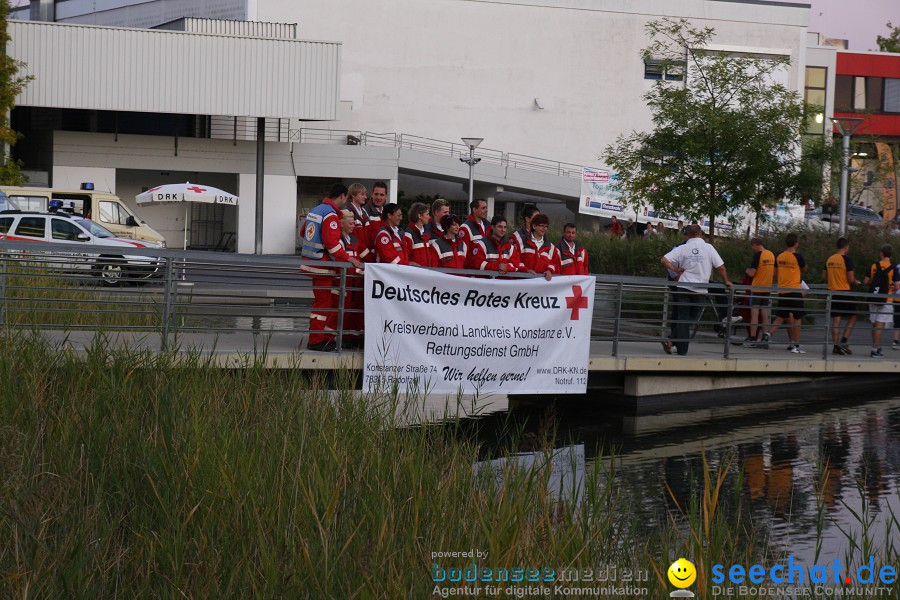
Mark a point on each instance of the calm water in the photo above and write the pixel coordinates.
(781, 448)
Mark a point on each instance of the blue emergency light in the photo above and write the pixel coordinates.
(87, 185)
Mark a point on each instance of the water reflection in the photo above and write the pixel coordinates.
(842, 458)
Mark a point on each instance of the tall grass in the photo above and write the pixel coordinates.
(138, 475)
(41, 298)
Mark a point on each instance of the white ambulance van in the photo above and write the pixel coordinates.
(101, 207)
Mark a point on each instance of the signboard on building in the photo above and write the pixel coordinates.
(600, 198)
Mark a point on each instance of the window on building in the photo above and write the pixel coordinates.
(892, 95)
(843, 93)
(814, 96)
(874, 93)
(653, 69)
(859, 94)
(658, 69)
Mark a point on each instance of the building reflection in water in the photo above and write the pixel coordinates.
(788, 461)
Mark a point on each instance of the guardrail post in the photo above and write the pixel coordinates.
(340, 315)
(168, 315)
(615, 347)
(827, 326)
(728, 321)
(3, 261)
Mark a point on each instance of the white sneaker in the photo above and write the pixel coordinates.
(798, 349)
(735, 319)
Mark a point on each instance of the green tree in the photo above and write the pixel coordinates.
(11, 85)
(725, 136)
(891, 42)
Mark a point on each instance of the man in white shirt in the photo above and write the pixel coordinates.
(691, 262)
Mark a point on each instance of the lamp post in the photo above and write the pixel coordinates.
(472, 143)
(846, 126)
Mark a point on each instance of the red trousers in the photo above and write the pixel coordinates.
(353, 320)
(323, 317)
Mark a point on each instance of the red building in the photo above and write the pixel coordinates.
(867, 86)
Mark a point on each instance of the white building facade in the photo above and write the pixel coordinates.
(556, 79)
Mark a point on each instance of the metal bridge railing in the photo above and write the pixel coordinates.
(50, 287)
(432, 146)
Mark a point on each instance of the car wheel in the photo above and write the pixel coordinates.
(111, 270)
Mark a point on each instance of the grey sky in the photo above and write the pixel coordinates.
(858, 20)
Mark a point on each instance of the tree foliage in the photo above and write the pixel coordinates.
(726, 137)
(890, 42)
(11, 85)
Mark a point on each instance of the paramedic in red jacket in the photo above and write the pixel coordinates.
(521, 234)
(374, 208)
(353, 300)
(449, 250)
(439, 208)
(322, 242)
(573, 259)
(416, 238)
(357, 205)
(494, 252)
(388, 243)
(538, 254)
(476, 225)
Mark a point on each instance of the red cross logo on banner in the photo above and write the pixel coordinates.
(197, 189)
(576, 301)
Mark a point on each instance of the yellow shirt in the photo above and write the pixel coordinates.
(790, 269)
(764, 263)
(836, 268)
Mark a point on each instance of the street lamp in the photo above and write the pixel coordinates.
(472, 143)
(846, 126)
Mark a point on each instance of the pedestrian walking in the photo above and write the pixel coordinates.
(691, 263)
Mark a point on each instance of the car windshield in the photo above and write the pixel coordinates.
(96, 230)
(6, 203)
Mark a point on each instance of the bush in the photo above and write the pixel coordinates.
(640, 257)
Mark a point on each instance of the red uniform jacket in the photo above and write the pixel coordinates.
(449, 254)
(331, 239)
(511, 251)
(361, 229)
(472, 230)
(373, 215)
(489, 253)
(519, 236)
(540, 259)
(572, 262)
(434, 231)
(389, 247)
(416, 244)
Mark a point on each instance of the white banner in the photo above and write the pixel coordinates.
(438, 333)
(599, 197)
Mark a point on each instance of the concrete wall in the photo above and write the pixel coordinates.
(449, 68)
(279, 214)
(71, 178)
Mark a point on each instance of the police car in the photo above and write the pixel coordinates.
(112, 265)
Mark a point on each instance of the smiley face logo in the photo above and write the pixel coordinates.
(682, 573)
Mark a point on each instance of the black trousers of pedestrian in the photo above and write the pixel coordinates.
(686, 309)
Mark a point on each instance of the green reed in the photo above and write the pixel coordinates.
(140, 475)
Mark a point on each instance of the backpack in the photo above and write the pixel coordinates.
(880, 283)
